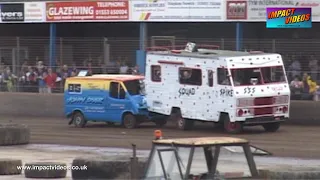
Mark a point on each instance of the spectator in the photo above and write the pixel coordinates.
(89, 67)
(3, 87)
(296, 83)
(31, 80)
(9, 79)
(40, 65)
(313, 66)
(123, 68)
(309, 87)
(74, 67)
(73, 73)
(24, 67)
(295, 67)
(65, 73)
(296, 88)
(41, 82)
(102, 66)
(135, 70)
(50, 80)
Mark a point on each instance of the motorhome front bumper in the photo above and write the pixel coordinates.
(264, 120)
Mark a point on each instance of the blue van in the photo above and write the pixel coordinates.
(106, 98)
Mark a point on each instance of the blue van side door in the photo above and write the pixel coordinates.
(117, 102)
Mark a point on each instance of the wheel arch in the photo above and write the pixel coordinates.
(77, 111)
(223, 116)
(175, 110)
(125, 113)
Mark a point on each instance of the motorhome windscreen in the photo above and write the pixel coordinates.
(258, 76)
(135, 87)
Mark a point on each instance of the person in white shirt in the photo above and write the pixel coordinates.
(313, 66)
(295, 67)
(123, 68)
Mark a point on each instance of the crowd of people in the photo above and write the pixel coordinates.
(40, 78)
(303, 77)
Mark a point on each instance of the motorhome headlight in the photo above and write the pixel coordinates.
(281, 99)
(245, 102)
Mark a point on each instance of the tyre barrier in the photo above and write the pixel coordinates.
(14, 134)
(290, 173)
(106, 167)
(9, 166)
(46, 170)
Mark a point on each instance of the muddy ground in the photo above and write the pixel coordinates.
(289, 141)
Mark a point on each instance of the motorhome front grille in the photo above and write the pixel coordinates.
(262, 101)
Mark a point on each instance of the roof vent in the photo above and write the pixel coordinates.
(191, 47)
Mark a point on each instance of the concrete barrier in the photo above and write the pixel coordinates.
(51, 105)
(31, 104)
(304, 113)
(290, 173)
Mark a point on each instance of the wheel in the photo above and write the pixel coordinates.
(232, 127)
(130, 121)
(271, 127)
(161, 123)
(184, 124)
(78, 120)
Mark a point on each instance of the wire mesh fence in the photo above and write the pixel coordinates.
(107, 54)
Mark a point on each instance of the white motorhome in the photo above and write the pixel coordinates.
(233, 88)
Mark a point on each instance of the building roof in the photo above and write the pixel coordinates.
(202, 141)
(115, 77)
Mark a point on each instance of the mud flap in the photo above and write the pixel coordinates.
(70, 121)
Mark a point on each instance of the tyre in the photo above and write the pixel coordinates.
(183, 123)
(9, 166)
(161, 123)
(232, 127)
(44, 170)
(79, 120)
(271, 127)
(14, 134)
(130, 121)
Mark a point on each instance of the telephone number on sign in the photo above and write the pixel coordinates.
(112, 17)
(112, 12)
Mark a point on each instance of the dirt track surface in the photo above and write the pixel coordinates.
(290, 141)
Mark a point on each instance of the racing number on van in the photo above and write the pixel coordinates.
(74, 88)
(249, 90)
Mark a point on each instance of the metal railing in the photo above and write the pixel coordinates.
(105, 52)
(77, 49)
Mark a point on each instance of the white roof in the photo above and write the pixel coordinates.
(208, 53)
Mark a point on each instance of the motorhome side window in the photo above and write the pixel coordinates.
(116, 91)
(223, 78)
(190, 76)
(210, 78)
(156, 73)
